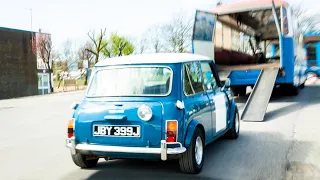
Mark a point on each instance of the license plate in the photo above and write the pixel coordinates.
(114, 130)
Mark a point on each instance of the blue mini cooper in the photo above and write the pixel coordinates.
(152, 106)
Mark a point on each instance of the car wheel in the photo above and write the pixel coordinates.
(192, 160)
(83, 161)
(234, 132)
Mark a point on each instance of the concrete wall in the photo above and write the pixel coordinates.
(18, 64)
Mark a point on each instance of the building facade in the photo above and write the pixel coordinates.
(18, 64)
(22, 71)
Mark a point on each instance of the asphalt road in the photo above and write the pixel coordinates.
(285, 146)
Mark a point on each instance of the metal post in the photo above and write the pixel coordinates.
(30, 9)
(87, 74)
(278, 29)
(31, 17)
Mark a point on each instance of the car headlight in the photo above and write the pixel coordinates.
(144, 112)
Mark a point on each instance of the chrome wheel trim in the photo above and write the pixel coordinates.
(237, 123)
(198, 150)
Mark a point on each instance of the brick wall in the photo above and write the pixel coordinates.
(18, 64)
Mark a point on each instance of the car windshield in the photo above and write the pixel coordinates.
(131, 81)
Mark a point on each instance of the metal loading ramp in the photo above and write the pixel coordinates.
(257, 103)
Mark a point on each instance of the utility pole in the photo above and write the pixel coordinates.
(30, 9)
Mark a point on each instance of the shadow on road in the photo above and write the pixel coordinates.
(254, 155)
(308, 96)
(272, 115)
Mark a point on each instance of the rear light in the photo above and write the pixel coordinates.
(70, 128)
(171, 130)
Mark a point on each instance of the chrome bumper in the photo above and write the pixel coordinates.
(163, 150)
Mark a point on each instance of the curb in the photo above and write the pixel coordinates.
(45, 95)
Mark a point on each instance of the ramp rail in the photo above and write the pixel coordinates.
(257, 103)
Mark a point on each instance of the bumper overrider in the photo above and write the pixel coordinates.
(163, 150)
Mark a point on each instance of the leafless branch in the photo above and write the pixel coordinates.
(44, 45)
(98, 43)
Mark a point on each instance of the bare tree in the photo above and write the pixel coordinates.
(306, 21)
(69, 54)
(141, 45)
(98, 43)
(157, 43)
(84, 54)
(46, 53)
(155, 35)
(69, 58)
(178, 33)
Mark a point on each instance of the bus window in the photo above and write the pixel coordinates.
(311, 51)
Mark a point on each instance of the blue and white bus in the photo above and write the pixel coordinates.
(242, 37)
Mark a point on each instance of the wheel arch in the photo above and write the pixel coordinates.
(190, 131)
(233, 111)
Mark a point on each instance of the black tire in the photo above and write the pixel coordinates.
(294, 91)
(187, 161)
(82, 161)
(289, 90)
(233, 133)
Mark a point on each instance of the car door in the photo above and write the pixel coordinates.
(217, 98)
(196, 101)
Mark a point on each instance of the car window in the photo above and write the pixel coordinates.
(193, 79)
(208, 76)
(131, 81)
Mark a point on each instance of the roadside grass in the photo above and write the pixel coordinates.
(80, 82)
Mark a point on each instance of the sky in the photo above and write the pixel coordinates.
(72, 19)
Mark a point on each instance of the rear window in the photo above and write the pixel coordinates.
(311, 51)
(131, 81)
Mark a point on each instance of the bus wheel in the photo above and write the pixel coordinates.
(302, 85)
(294, 91)
(289, 90)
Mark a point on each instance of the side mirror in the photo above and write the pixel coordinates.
(226, 84)
(74, 105)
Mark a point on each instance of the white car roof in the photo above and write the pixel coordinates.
(154, 58)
